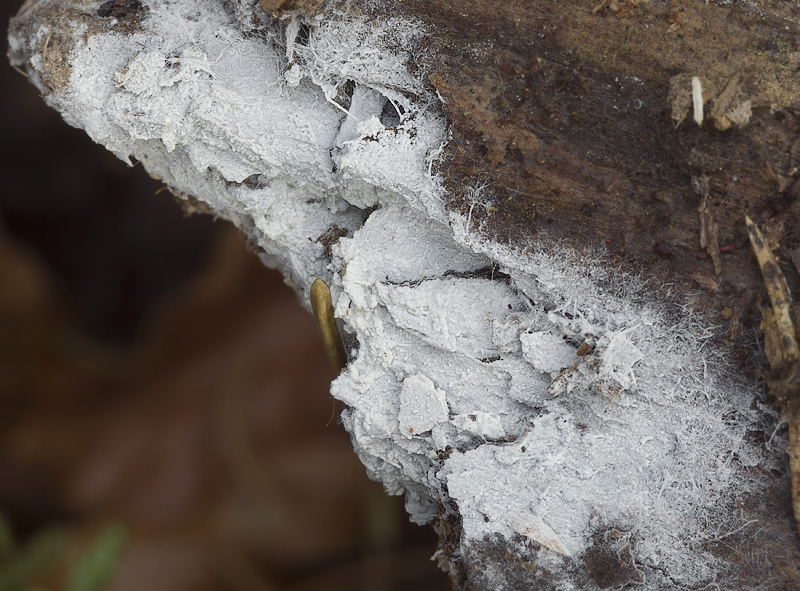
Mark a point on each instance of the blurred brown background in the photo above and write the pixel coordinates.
(154, 375)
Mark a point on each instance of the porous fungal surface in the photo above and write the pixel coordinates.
(523, 391)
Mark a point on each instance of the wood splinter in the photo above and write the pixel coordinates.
(780, 346)
(322, 306)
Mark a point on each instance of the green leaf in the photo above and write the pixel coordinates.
(96, 565)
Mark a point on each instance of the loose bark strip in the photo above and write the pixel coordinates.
(780, 345)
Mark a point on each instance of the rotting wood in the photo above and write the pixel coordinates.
(780, 344)
(562, 111)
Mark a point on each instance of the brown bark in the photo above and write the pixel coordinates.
(563, 112)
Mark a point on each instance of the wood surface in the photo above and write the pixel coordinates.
(567, 115)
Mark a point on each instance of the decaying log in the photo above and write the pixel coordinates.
(488, 157)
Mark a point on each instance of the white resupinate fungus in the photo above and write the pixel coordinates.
(464, 388)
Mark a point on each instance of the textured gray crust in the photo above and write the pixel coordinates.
(544, 411)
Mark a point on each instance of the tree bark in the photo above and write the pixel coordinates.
(563, 110)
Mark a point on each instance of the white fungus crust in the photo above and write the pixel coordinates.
(465, 390)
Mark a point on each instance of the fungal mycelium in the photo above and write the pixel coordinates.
(297, 130)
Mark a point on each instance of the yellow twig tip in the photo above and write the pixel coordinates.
(322, 307)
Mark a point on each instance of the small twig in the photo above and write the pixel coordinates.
(780, 346)
(332, 342)
(780, 301)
